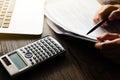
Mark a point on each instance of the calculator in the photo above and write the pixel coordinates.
(24, 58)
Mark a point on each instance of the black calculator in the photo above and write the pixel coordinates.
(30, 55)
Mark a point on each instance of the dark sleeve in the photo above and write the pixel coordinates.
(111, 2)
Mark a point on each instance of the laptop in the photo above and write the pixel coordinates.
(21, 16)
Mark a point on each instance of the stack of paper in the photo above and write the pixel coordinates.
(73, 17)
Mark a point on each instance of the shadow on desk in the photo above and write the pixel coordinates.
(83, 47)
(90, 61)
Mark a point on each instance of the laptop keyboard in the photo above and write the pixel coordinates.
(6, 10)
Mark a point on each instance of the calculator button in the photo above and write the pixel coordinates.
(52, 44)
(45, 54)
(32, 63)
(28, 55)
(37, 56)
(49, 47)
(27, 49)
(44, 48)
(55, 43)
(22, 50)
(40, 58)
(30, 60)
(36, 60)
(54, 47)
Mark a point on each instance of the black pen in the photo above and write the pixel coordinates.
(97, 25)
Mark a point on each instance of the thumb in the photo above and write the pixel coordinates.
(103, 45)
(115, 15)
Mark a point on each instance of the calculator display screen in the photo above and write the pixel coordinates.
(17, 60)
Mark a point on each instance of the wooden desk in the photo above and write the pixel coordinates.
(80, 62)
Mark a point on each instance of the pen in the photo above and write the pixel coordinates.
(97, 25)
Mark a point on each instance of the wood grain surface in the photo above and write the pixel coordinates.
(81, 61)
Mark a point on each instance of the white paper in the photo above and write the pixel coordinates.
(74, 15)
(60, 30)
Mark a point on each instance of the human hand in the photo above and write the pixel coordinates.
(112, 12)
(110, 47)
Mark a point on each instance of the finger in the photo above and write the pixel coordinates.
(108, 44)
(108, 36)
(99, 14)
(97, 18)
(115, 15)
(103, 12)
(105, 24)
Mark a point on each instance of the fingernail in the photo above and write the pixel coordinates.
(98, 45)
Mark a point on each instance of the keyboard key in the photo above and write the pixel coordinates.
(6, 10)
